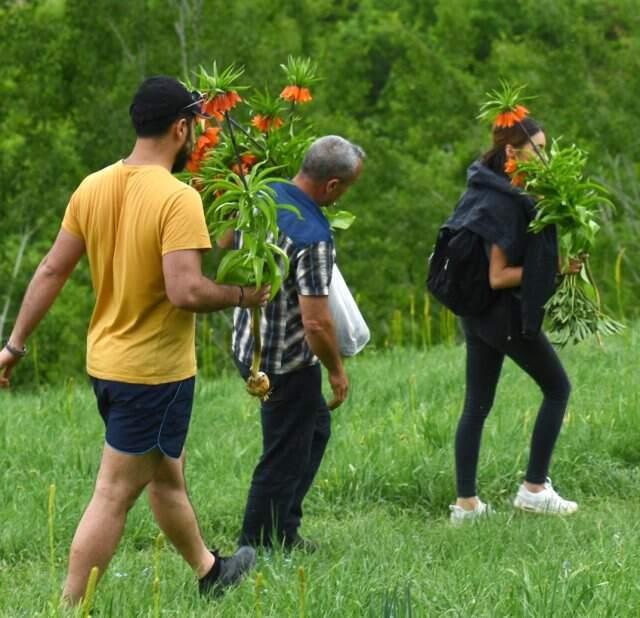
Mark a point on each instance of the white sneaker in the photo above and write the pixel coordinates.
(546, 501)
(460, 516)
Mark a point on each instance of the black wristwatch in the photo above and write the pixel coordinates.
(15, 351)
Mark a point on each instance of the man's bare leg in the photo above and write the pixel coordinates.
(175, 515)
(120, 481)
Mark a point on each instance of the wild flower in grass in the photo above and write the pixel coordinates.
(427, 336)
(51, 513)
(303, 589)
(258, 589)
(413, 395)
(52, 549)
(617, 276)
(90, 591)
(156, 580)
(69, 395)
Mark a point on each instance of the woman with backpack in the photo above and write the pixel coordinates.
(522, 269)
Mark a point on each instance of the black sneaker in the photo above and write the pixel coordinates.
(299, 543)
(227, 571)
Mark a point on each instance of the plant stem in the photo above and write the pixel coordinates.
(236, 151)
(292, 117)
(248, 135)
(257, 342)
(255, 315)
(593, 283)
(535, 146)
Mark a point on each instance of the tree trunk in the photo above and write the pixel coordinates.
(24, 241)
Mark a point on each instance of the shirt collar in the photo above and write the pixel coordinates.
(304, 200)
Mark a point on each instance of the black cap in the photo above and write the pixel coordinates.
(164, 98)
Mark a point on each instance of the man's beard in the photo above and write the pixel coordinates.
(182, 156)
(181, 160)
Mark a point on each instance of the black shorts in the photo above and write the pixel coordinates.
(140, 417)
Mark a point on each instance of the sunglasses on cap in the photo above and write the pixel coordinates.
(196, 107)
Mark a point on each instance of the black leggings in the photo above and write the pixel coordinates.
(484, 363)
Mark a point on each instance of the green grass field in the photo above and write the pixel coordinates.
(378, 508)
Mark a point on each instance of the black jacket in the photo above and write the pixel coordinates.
(500, 213)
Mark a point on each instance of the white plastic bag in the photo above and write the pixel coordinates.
(351, 329)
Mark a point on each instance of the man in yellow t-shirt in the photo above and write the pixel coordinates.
(143, 232)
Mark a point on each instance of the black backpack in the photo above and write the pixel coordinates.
(458, 272)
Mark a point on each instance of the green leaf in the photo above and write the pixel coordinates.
(340, 219)
(234, 270)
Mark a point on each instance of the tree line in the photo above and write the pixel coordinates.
(404, 79)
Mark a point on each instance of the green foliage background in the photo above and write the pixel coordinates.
(402, 78)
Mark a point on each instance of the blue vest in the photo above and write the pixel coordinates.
(312, 228)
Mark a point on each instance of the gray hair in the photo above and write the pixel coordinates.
(332, 156)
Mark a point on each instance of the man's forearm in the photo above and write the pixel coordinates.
(207, 296)
(42, 291)
(324, 344)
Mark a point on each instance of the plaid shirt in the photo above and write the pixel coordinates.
(309, 246)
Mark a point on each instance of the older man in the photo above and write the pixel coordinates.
(143, 232)
(298, 334)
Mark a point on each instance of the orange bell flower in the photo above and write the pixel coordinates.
(193, 165)
(506, 120)
(208, 139)
(249, 159)
(296, 94)
(266, 123)
(521, 112)
(511, 166)
(221, 103)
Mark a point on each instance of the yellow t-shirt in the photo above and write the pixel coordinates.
(129, 216)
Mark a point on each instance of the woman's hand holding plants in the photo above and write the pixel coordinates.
(567, 198)
(575, 264)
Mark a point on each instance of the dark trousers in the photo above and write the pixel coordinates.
(485, 357)
(296, 426)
